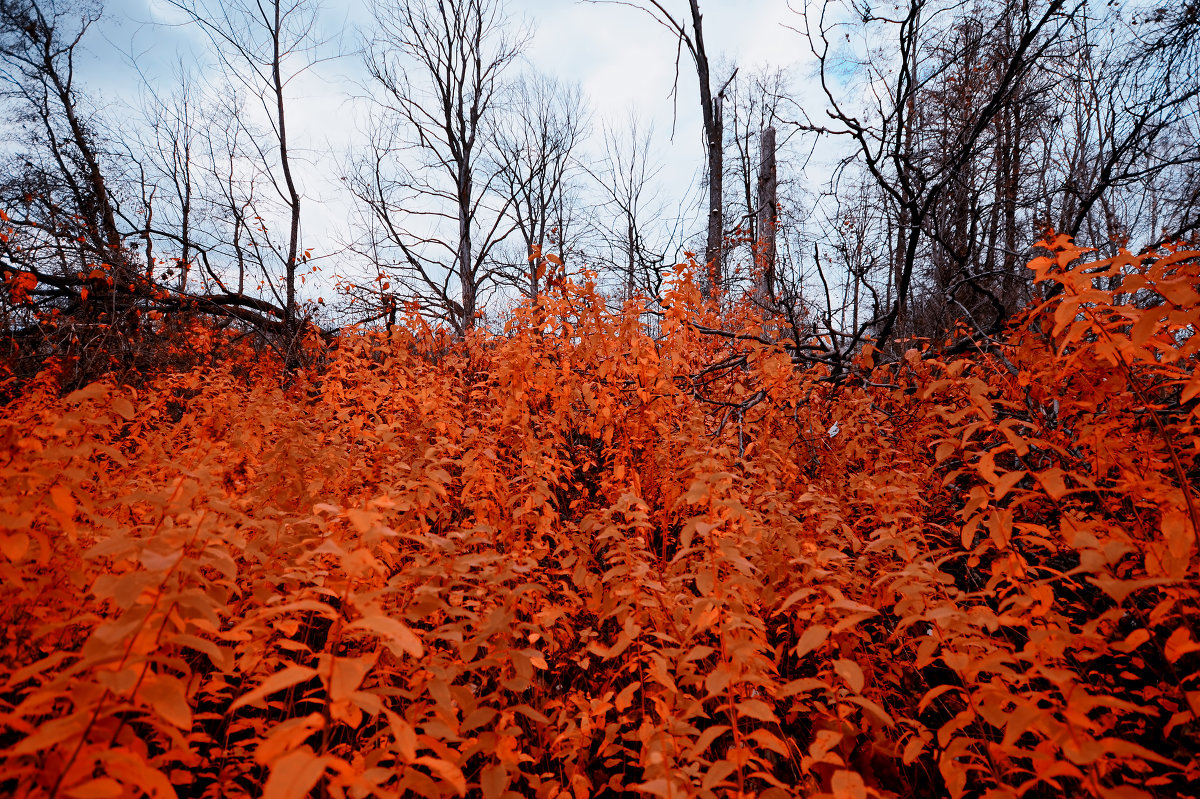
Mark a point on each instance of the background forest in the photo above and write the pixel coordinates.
(909, 169)
(864, 466)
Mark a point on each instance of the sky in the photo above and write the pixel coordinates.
(622, 60)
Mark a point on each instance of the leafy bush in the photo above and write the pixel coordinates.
(575, 560)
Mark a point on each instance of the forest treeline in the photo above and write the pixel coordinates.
(891, 189)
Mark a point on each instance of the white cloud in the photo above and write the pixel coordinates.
(165, 13)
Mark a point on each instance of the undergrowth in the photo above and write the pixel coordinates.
(545, 563)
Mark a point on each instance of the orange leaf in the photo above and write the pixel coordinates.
(294, 775)
(287, 736)
(168, 697)
(102, 788)
(851, 672)
(278, 681)
(1179, 644)
(14, 545)
(344, 675)
(51, 733)
(756, 709)
(395, 634)
(124, 407)
(812, 638)
(1177, 531)
(771, 741)
(848, 785)
(492, 782)
(447, 771)
(1052, 481)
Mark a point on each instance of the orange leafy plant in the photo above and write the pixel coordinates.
(573, 559)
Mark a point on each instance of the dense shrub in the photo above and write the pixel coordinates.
(575, 560)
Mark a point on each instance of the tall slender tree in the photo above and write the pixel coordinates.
(629, 221)
(264, 45)
(535, 152)
(438, 70)
(688, 30)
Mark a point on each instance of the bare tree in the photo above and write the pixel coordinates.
(980, 123)
(629, 223)
(688, 31)
(61, 180)
(856, 242)
(438, 72)
(168, 151)
(535, 153)
(263, 46)
(81, 289)
(205, 208)
(1127, 132)
(81, 193)
(909, 57)
(235, 248)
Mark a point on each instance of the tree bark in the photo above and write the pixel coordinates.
(466, 274)
(293, 199)
(768, 212)
(714, 141)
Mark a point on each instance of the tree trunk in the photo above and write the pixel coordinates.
(768, 212)
(291, 265)
(714, 135)
(466, 275)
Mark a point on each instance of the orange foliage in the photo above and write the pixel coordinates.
(549, 564)
(19, 285)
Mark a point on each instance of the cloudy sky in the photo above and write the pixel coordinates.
(622, 60)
